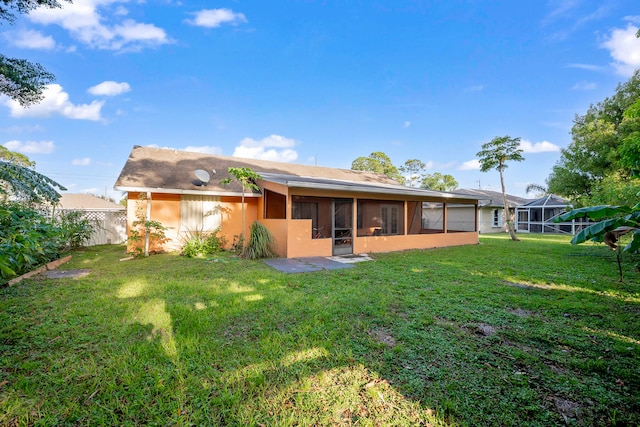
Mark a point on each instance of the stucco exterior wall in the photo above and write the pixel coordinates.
(375, 244)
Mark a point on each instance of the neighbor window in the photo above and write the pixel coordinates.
(497, 218)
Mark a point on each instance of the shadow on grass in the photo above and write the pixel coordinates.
(412, 338)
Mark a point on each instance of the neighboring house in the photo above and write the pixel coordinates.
(310, 210)
(110, 218)
(538, 216)
(491, 207)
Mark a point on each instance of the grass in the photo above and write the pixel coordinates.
(535, 333)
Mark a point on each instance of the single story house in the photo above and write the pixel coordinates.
(491, 209)
(538, 216)
(310, 210)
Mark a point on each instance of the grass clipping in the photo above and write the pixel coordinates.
(261, 243)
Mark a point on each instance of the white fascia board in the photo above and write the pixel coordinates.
(186, 192)
(377, 190)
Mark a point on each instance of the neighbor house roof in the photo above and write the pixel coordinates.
(550, 200)
(81, 201)
(492, 198)
(172, 171)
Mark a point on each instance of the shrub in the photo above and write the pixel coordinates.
(202, 243)
(76, 228)
(145, 235)
(261, 243)
(28, 238)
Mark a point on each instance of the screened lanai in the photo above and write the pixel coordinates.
(538, 216)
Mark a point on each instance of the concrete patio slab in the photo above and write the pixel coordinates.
(308, 264)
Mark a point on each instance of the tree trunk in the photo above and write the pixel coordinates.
(507, 216)
(242, 233)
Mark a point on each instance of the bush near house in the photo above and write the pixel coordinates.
(29, 237)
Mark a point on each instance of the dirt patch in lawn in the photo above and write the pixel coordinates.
(66, 274)
(382, 336)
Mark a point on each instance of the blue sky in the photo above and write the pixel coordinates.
(315, 82)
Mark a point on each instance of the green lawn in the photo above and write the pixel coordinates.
(536, 332)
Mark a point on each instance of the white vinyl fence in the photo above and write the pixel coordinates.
(110, 226)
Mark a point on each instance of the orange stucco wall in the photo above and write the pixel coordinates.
(231, 225)
(165, 208)
(300, 243)
(293, 237)
(374, 244)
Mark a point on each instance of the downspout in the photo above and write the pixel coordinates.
(148, 218)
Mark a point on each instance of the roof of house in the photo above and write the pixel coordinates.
(550, 200)
(492, 198)
(81, 201)
(173, 171)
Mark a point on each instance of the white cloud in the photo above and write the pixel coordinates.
(109, 88)
(274, 147)
(213, 18)
(588, 67)
(31, 147)
(86, 21)
(538, 147)
(470, 165)
(406, 124)
(85, 161)
(56, 103)
(633, 18)
(207, 149)
(31, 39)
(584, 85)
(624, 48)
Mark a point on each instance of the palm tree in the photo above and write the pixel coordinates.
(247, 178)
(494, 155)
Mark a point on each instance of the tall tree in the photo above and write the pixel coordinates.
(378, 162)
(414, 171)
(439, 182)
(21, 80)
(594, 169)
(494, 155)
(247, 179)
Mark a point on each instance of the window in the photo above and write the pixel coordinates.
(497, 218)
(389, 219)
(380, 217)
(275, 205)
(199, 213)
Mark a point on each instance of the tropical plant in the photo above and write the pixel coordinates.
(247, 179)
(26, 184)
(145, 233)
(494, 155)
(261, 243)
(77, 229)
(612, 222)
(28, 238)
(201, 243)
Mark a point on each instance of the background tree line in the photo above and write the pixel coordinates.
(412, 173)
